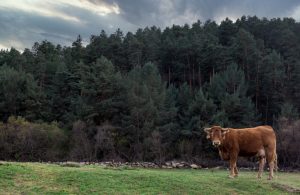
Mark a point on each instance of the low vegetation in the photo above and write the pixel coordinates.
(37, 178)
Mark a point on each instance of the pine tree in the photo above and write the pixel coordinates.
(77, 50)
(201, 111)
(98, 47)
(228, 89)
(227, 30)
(272, 79)
(133, 49)
(97, 88)
(184, 98)
(106, 91)
(60, 96)
(19, 94)
(145, 97)
(167, 124)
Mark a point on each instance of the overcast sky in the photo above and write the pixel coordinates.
(23, 22)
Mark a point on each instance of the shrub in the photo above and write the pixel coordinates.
(25, 141)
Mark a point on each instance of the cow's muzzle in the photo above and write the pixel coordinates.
(216, 143)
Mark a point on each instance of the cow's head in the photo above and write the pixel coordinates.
(216, 134)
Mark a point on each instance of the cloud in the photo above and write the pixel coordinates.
(295, 13)
(42, 8)
(25, 21)
(57, 21)
(156, 12)
(100, 8)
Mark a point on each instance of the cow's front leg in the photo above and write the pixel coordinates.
(233, 168)
(236, 172)
(224, 155)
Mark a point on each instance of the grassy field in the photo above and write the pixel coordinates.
(36, 178)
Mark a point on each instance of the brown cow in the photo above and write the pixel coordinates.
(259, 141)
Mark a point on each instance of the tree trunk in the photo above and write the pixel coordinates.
(199, 76)
(169, 79)
(193, 74)
(267, 109)
(190, 79)
(184, 77)
(257, 88)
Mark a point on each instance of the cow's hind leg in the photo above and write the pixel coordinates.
(261, 156)
(271, 157)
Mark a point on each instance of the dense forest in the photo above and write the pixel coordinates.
(146, 96)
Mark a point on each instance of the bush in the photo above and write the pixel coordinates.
(288, 137)
(24, 141)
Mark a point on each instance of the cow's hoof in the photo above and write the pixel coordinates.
(231, 176)
(258, 177)
(236, 175)
(270, 178)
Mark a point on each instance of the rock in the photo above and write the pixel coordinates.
(217, 168)
(166, 167)
(70, 164)
(180, 165)
(175, 164)
(168, 164)
(194, 166)
(184, 163)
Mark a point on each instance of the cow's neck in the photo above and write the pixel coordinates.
(224, 144)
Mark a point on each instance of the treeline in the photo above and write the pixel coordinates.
(146, 96)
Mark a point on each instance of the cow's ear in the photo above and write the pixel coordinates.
(225, 130)
(207, 130)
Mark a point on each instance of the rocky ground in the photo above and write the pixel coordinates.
(166, 165)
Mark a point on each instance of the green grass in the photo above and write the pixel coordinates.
(36, 178)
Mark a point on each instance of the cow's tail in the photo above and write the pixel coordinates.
(275, 163)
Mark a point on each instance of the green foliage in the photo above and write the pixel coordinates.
(229, 89)
(100, 91)
(147, 95)
(18, 94)
(201, 112)
(167, 117)
(22, 140)
(227, 30)
(273, 80)
(288, 111)
(184, 98)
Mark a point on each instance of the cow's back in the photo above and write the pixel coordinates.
(249, 141)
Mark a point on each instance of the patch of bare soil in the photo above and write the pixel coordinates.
(286, 188)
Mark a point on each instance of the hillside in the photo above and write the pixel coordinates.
(37, 178)
(148, 95)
